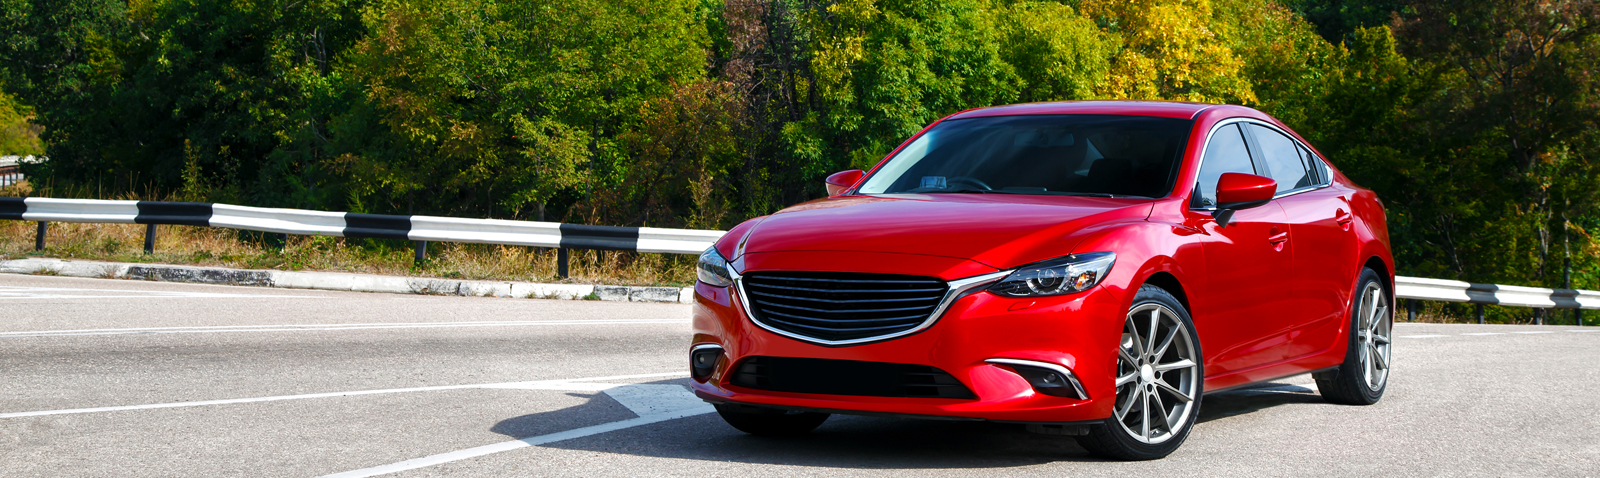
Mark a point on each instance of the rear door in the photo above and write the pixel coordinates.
(1320, 237)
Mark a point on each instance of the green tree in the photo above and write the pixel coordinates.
(1524, 101)
(18, 135)
(57, 58)
(498, 107)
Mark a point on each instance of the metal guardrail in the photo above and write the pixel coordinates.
(421, 229)
(1441, 290)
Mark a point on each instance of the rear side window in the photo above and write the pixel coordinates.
(1319, 171)
(1225, 153)
(1283, 159)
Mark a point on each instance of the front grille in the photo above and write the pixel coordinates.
(835, 307)
(847, 377)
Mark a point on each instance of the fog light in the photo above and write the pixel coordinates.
(703, 361)
(1046, 378)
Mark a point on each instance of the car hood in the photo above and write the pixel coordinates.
(1000, 231)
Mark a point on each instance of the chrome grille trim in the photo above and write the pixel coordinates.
(955, 289)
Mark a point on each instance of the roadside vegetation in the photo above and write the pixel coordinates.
(1477, 121)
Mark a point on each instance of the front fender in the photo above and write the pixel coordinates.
(1145, 249)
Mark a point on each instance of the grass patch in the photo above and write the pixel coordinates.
(1433, 312)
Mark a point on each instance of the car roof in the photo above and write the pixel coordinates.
(1165, 109)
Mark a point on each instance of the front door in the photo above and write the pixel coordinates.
(1240, 310)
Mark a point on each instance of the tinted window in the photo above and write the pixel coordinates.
(1319, 171)
(1282, 158)
(1226, 153)
(1039, 154)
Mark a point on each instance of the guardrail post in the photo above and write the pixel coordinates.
(149, 238)
(38, 238)
(1538, 316)
(1411, 310)
(422, 251)
(1480, 312)
(561, 262)
(1577, 315)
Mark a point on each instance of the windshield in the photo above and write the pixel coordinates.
(1071, 155)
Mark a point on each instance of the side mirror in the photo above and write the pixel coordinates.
(840, 181)
(1237, 191)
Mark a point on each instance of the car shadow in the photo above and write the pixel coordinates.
(1255, 398)
(846, 441)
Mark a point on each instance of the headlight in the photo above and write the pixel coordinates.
(713, 269)
(1062, 275)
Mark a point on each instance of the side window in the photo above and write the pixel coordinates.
(1284, 162)
(1319, 170)
(1225, 153)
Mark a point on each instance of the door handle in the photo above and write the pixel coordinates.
(1277, 239)
(1343, 218)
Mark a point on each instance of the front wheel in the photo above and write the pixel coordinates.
(1159, 382)
(1361, 379)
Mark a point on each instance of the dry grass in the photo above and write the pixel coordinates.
(243, 249)
(1463, 313)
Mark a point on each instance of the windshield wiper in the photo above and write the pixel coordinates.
(956, 191)
(975, 191)
(1095, 195)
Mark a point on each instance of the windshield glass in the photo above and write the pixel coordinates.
(1072, 155)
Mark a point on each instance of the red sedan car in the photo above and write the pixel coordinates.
(1085, 268)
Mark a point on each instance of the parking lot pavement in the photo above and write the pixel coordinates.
(121, 378)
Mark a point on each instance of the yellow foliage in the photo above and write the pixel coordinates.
(1171, 51)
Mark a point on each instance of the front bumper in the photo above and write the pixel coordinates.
(1079, 332)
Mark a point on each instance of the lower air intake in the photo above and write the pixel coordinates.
(847, 377)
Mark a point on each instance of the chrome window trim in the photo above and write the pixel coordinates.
(956, 289)
(1201, 162)
(1054, 367)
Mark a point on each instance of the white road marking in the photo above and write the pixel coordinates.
(322, 327)
(574, 384)
(1582, 331)
(1421, 336)
(1535, 332)
(24, 293)
(652, 404)
(1484, 333)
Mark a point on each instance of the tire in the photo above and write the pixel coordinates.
(1364, 375)
(1175, 350)
(768, 421)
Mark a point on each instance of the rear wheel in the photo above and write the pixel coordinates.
(769, 421)
(1361, 379)
(1159, 382)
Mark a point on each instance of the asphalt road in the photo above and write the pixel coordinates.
(122, 378)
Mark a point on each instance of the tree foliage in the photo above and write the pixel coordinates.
(1474, 119)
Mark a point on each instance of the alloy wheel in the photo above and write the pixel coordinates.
(1158, 374)
(1373, 337)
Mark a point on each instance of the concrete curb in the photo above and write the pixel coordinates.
(343, 281)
